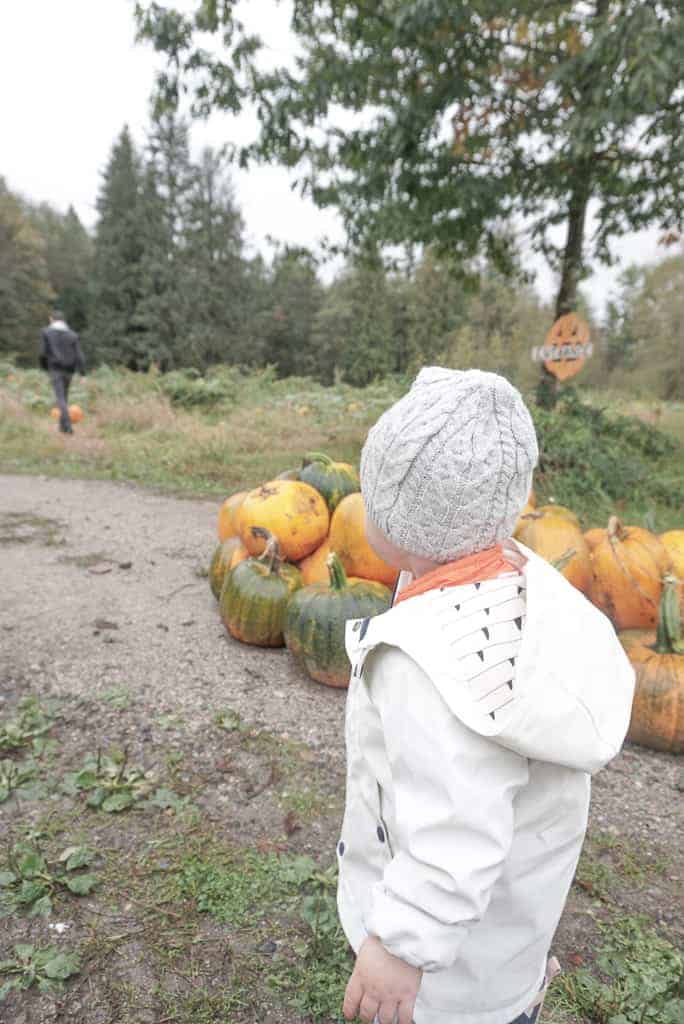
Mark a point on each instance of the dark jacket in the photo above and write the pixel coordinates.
(60, 349)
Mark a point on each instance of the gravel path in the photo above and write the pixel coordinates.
(101, 590)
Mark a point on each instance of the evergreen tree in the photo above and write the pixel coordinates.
(25, 290)
(214, 268)
(166, 307)
(69, 256)
(117, 333)
(295, 296)
(355, 331)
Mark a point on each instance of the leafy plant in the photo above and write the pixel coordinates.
(29, 883)
(29, 726)
(19, 777)
(642, 979)
(112, 785)
(47, 968)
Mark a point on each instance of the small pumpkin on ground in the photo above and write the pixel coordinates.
(221, 562)
(316, 618)
(334, 480)
(295, 513)
(629, 564)
(256, 593)
(314, 568)
(658, 659)
(226, 517)
(76, 413)
(348, 540)
(553, 532)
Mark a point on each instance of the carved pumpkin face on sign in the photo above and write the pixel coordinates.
(566, 347)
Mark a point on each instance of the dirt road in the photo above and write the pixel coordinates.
(101, 589)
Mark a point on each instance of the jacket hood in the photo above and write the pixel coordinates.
(571, 694)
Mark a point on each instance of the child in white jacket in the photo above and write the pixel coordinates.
(478, 707)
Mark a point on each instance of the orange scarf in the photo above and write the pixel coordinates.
(483, 565)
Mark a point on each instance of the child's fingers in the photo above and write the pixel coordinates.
(387, 1012)
(405, 1011)
(352, 997)
(369, 1009)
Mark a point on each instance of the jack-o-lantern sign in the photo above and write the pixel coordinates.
(566, 348)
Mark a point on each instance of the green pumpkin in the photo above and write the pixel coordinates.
(316, 618)
(334, 480)
(219, 564)
(255, 595)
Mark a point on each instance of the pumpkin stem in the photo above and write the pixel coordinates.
(669, 632)
(338, 577)
(271, 553)
(565, 559)
(616, 530)
(316, 457)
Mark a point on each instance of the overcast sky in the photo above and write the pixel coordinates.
(71, 76)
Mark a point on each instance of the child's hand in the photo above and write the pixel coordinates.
(381, 986)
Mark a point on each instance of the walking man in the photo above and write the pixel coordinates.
(60, 355)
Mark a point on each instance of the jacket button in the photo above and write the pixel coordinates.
(381, 834)
(340, 848)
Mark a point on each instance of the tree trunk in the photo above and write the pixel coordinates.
(571, 270)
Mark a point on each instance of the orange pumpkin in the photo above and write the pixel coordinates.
(554, 533)
(594, 537)
(295, 513)
(658, 659)
(226, 516)
(314, 568)
(629, 564)
(76, 413)
(240, 554)
(673, 542)
(348, 540)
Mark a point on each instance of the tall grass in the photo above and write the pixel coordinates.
(230, 430)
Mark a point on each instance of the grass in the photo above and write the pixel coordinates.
(227, 930)
(212, 435)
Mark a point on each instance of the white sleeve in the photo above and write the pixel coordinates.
(453, 794)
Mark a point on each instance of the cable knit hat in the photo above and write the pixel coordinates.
(446, 471)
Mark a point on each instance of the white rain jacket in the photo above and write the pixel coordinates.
(467, 805)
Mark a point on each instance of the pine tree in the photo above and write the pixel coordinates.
(165, 310)
(215, 275)
(116, 332)
(25, 290)
(69, 257)
(295, 296)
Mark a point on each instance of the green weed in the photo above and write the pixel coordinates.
(29, 884)
(29, 726)
(641, 980)
(46, 967)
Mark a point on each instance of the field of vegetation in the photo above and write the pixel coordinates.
(216, 433)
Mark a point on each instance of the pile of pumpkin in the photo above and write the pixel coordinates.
(636, 578)
(293, 564)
